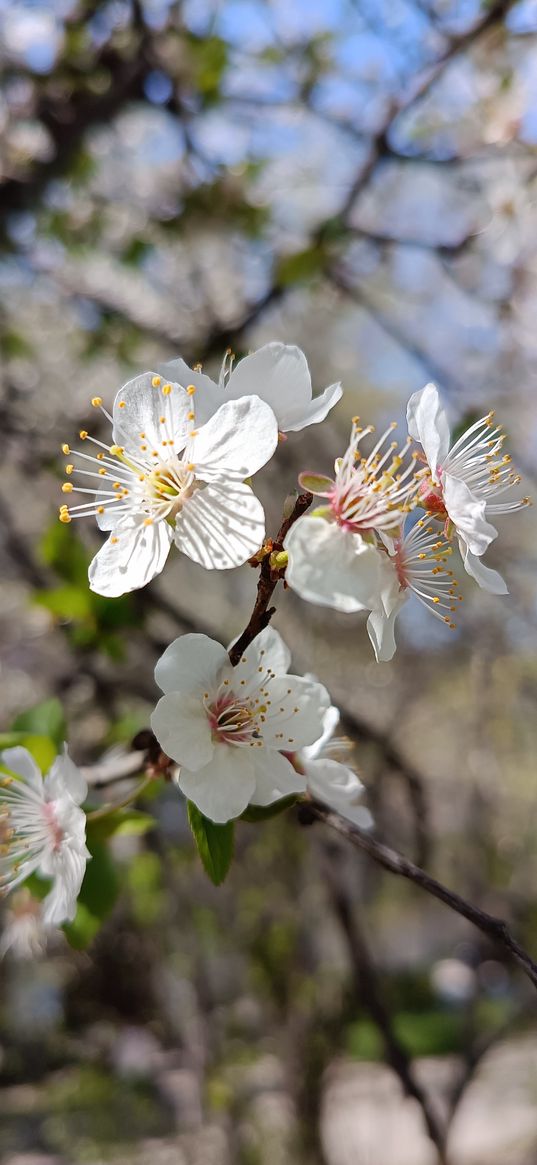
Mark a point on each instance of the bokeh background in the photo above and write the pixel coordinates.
(358, 177)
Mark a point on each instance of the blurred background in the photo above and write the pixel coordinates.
(358, 177)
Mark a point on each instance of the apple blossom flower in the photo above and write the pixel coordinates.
(465, 480)
(277, 373)
(43, 830)
(328, 778)
(228, 727)
(412, 562)
(333, 558)
(164, 479)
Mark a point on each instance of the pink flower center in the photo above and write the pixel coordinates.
(432, 498)
(232, 720)
(53, 825)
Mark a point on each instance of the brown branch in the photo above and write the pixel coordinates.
(365, 981)
(494, 928)
(268, 581)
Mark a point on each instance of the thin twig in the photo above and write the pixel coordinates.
(495, 928)
(268, 581)
(366, 984)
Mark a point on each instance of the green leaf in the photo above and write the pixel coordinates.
(97, 897)
(46, 719)
(300, 267)
(214, 843)
(63, 550)
(66, 602)
(256, 813)
(119, 823)
(42, 748)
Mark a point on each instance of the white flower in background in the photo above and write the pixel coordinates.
(43, 830)
(277, 373)
(164, 480)
(23, 935)
(465, 480)
(328, 778)
(412, 563)
(227, 727)
(333, 559)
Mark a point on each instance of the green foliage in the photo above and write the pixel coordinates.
(214, 843)
(300, 267)
(119, 823)
(45, 719)
(256, 813)
(91, 620)
(144, 881)
(208, 58)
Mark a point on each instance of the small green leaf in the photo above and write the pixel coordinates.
(42, 748)
(214, 843)
(256, 813)
(46, 719)
(300, 267)
(316, 483)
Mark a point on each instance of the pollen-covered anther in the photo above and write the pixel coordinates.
(166, 389)
(64, 516)
(66, 449)
(96, 401)
(67, 487)
(191, 389)
(69, 469)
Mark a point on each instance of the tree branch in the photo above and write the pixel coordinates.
(494, 928)
(268, 581)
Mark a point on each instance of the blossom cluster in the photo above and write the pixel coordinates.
(244, 735)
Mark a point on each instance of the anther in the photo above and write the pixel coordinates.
(156, 381)
(166, 389)
(122, 404)
(116, 450)
(66, 449)
(83, 434)
(64, 516)
(69, 469)
(191, 389)
(67, 487)
(96, 401)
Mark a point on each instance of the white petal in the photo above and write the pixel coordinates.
(295, 708)
(222, 789)
(381, 630)
(191, 662)
(275, 777)
(468, 514)
(21, 762)
(208, 396)
(317, 409)
(267, 650)
(428, 424)
(65, 777)
(490, 580)
(240, 438)
(331, 566)
(329, 724)
(182, 728)
(132, 561)
(69, 869)
(221, 525)
(339, 788)
(143, 406)
(279, 374)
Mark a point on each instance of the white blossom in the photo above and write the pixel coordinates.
(465, 480)
(23, 935)
(277, 373)
(333, 559)
(43, 830)
(227, 727)
(412, 562)
(165, 478)
(328, 778)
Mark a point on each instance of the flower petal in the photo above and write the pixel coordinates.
(490, 580)
(316, 410)
(339, 788)
(238, 439)
(138, 555)
(222, 789)
(428, 424)
(331, 566)
(468, 514)
(182, 728)
(220, 526)
(275, 777)
(330, 722)
(21, 762)
(191, 662)
(295, 708)
(267, 650)
(137, 410)
(69, 867)
(278, 374)
(381, 629)
(64, 777)
(208, 396)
